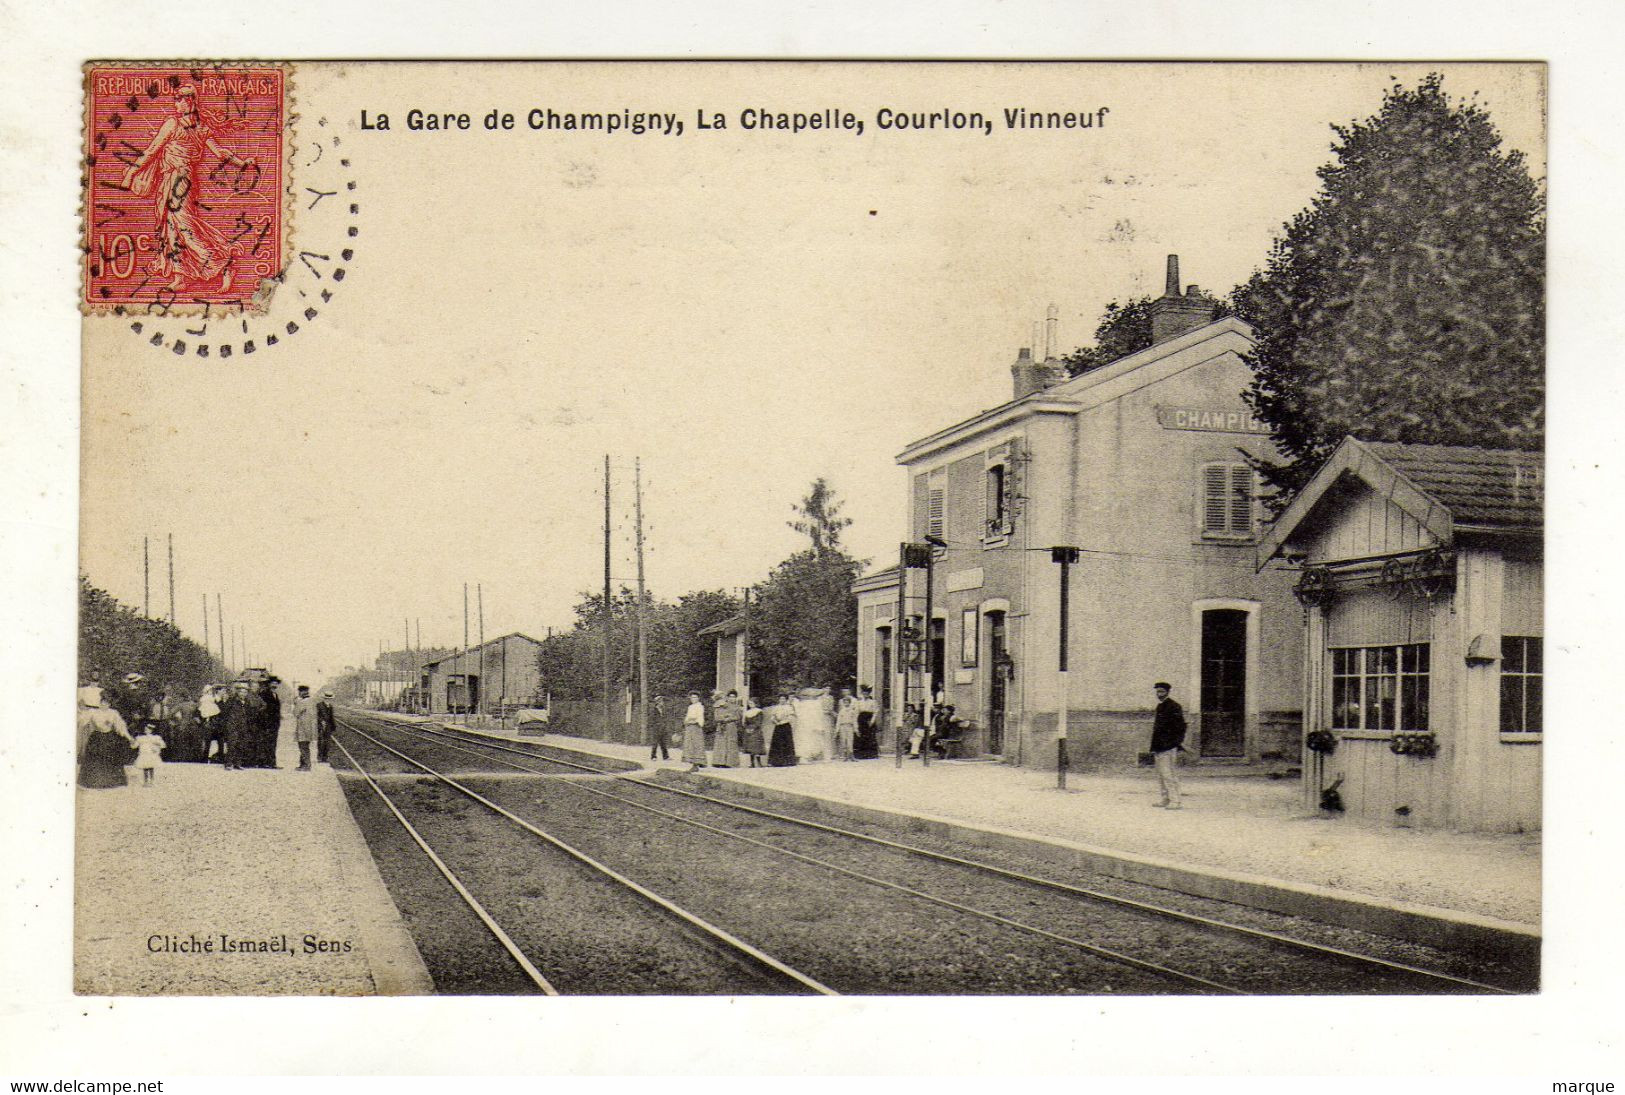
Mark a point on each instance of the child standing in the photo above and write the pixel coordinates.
(147, 747)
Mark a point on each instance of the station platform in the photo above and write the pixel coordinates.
(266, 867)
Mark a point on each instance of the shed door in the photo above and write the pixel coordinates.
(1224, 682)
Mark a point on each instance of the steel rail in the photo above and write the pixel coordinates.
(462, 891)
(1315, 949)
(717, 934)
(1032, 929)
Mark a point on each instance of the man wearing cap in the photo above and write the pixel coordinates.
(1167, 736)
(270, 724)
(324, 725)
(304, 725)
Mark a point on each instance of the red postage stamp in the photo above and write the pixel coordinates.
(185, 180)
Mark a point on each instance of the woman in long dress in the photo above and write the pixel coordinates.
(866, 742)
(781, 751)
(752, 741)
(728, 716)
(814, 727)
(694, 733)
(173, 169)
(104, 743)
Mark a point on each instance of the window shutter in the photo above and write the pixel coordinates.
(934, 523)
(1241, 499)
(1215, 506)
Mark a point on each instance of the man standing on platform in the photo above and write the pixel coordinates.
(1167, 736)
(304, 725)
(240, 716)
(324, 725)
(270, 724)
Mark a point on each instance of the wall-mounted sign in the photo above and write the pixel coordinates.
(1214, 419)
(960, 580)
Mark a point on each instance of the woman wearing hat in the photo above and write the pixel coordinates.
(104, 742)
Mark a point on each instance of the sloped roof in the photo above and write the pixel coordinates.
(1493, 488)
(733, 625)
(1447, 488)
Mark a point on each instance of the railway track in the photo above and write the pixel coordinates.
(761, 971)
(1187, 951)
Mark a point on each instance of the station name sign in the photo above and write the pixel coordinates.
(1215, 419)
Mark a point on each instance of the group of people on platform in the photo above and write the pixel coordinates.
(803, 726)
(236, 727)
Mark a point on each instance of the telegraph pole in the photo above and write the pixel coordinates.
(171, 579)
(206, 645)
(220, 628)
(607, 616)
(479, 702)
(462, 661)
(1065, 556)
(146, 580)
(643, 645)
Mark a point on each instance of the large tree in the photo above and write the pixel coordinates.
(804, 617)
(1407, 302)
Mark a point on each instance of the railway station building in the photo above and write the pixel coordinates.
(1420, 567)
(502, 673)
(1138, 464)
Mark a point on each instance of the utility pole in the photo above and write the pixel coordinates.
(1065, 556)
(220, 627)
(146, 580)
(607, 616)
(171, 579)
(206, 645)
(479, 699)
(643, 644)
(462, 657)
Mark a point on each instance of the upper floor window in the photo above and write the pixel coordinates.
(1227, 500)
(998, 501)
(1521, 684)
(936, 515)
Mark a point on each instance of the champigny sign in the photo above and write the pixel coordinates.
(1216, 419)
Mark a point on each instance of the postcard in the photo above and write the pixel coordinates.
(811, 529)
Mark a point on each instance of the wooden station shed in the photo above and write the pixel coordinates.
(1421, 579)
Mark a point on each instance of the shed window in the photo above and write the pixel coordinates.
(1227, 500)
(1521, 687)
(1382, 688)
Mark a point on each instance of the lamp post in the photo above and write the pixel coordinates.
(932, 542)
(1065, 557)
(913, 557)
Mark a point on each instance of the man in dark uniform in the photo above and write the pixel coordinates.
(324, 725)
(270, 724)
(1167, 735)
(240, 717)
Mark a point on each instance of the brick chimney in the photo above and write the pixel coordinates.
(1173, 313)
(1027, 375)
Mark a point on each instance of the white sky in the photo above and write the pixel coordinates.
(724, 307)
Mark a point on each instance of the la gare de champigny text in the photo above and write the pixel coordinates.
(638, 123)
